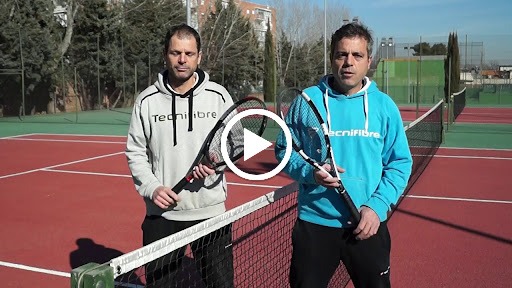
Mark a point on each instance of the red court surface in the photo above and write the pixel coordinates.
(486, 115)
(68, 200)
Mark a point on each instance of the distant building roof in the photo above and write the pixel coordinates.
(492, 73)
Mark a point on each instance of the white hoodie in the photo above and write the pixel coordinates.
(164, 140)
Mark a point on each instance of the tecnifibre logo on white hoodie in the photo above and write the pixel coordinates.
(354, 133)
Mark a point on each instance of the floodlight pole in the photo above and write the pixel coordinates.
(325, 37)
(408, 72)
(22, 75)
(188, 13)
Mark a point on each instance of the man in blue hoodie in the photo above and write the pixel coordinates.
(371, 149)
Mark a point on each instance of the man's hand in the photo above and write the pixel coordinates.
(202, 171)
(164, 197)
(368, 225)
(326, 179)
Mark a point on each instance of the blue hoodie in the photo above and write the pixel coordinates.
(369, 142)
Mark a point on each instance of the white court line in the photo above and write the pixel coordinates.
(460, 199)
(17, 136)
(473, 157)
(61, 140)
(476, 149)
(85, 135)
(86, 173)
(485, 113)
(129, 176)
(59, 165)
(35, 269)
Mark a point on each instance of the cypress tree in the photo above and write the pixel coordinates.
(447, 76)
(455, 83)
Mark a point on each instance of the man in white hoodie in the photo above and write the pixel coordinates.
(169, 123)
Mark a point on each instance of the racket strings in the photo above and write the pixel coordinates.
(235, 139)
(309, 137)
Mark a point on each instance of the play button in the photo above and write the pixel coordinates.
(254, 144)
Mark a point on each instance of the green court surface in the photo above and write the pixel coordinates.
(490, 136)
(16, 128)
(468, 135)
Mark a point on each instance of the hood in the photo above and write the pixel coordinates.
(162, 84)
(368, 87)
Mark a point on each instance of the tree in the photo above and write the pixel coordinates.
(452, 67)
(426, 50)
(231, 50)
(110, 41)
(302, 22)
(143, 41)
(88, 54)
(438, 49)
(28, 40)
(270, 77)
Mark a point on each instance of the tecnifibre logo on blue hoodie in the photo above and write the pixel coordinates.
(350, 133)
(354, 133)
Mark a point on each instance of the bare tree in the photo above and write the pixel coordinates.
(302, 21)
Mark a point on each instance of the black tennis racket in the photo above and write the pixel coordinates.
(210, 153)
(318, 144)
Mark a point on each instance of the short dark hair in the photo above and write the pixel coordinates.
(182, 30)
(351, 30)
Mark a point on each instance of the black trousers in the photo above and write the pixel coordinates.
(318, 250)
(213, 256)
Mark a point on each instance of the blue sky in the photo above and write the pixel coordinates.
(406, 20)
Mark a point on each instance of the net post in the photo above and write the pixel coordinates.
(448, 109)
(450, 112)
(443, 130)
(92, 275)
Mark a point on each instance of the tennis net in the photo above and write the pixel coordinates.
(458, 104)
(259, 244)
(424, 135)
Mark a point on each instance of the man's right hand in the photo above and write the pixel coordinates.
(326, 179)
(164, 197)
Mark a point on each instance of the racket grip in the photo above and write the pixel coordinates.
(356, 216)
(183, 182)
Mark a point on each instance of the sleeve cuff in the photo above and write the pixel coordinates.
(148, 192)
(379, 207)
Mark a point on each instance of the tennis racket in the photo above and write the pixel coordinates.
(210, 153)
(315, 141)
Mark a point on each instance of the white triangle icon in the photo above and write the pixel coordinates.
(253, 144)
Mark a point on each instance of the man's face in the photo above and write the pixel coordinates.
(350, 63)
(182, 57)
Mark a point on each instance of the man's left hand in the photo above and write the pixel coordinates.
(368, 225)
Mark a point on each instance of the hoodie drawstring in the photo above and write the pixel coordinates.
(326, 105)
(190, 107)
(190, 94)
(365, 99)
(366, 82)
(190, 113)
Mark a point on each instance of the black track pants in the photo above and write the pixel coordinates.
(318, 250)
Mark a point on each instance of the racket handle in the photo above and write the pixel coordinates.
(183, 182)
(356, 216)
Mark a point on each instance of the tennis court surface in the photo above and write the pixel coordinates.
(68, 200)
